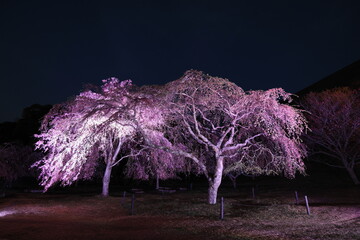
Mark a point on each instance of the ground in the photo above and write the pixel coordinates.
(271, 215)
(37, 216)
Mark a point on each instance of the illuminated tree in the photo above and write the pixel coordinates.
(96, 124)
(334, 119)
(223, 129)
(199, 123)
(154, 162)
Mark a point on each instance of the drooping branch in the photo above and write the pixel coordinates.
(241, 145)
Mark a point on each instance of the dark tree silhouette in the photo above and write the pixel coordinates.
(15, 161)
(334, 121)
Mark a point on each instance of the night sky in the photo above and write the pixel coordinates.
(50, 49)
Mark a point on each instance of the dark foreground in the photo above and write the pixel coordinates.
(335, 214)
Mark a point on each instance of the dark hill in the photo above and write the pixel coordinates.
(348, 76)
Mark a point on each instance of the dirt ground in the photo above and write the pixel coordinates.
(57, 217)
(47, 227)
(271, 215)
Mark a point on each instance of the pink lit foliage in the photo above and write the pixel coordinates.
(223, 129)
(334, 118)
(198, 123)
(154, 162)
(95, 125)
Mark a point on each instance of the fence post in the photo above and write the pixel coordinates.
(296, 198)
(123, 197)
(307, 205)
(157, 183)
(222, 208)
(133, 204)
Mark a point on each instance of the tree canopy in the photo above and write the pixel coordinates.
(201, 124)
(223, 129)
(93, 125)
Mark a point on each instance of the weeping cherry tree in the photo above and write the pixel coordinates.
(222, 129)
(95, 125)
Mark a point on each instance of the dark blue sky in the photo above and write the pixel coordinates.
(50, 49)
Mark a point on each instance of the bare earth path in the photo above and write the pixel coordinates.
(135, 228)
(72, 217)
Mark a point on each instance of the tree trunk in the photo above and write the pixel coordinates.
(233, 180)
(353, 176)
(234, 183)
(214, 183)
(106, 180)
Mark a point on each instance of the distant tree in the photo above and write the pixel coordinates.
(93, 126)
(16, 144)
(22, 131)
(8, 165)
(334, 120)
(29, 124)
(223, 129)
(15, 161)
(6, 132)
(233, 176)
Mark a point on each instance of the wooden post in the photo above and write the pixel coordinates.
(133, 204)
(157, 183)
(296, 198)
(191, 186)
(222, 208)
(307, 205)
(124, 196)
(253, 192)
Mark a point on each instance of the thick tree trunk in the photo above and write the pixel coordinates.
(214, 183)
(106, 180)
(353, 176)
(213, 190)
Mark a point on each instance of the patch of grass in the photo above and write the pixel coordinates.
(264, 218)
